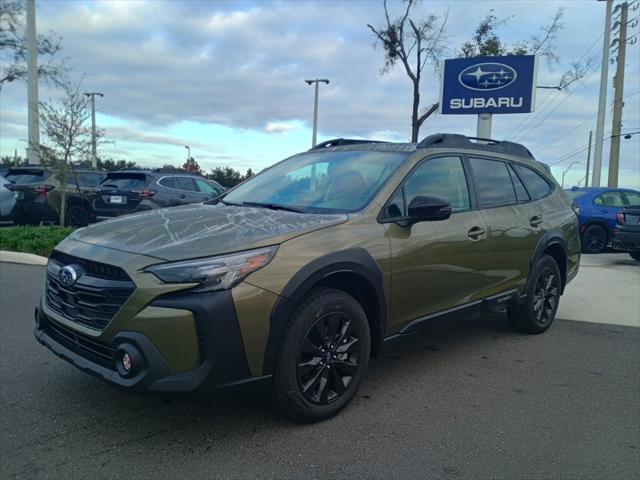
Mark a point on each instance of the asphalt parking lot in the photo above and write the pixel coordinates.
(471, 400)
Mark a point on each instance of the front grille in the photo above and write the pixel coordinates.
(94, 298)
(96, 269)
(81, 344)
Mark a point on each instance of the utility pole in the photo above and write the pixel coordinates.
(33, 113)
(317, 81)
(586, 178)
(602, 101)
(94, 156)
(618, 103)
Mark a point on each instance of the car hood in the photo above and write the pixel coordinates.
(201, 230)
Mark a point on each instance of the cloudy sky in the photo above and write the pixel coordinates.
(227, 78)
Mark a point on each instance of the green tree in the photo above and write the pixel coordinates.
(226, 176)
(13, 47)
(192, 166)
(68, 139)
(415, 43)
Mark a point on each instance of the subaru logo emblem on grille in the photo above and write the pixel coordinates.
(487, 76)
(67, 276)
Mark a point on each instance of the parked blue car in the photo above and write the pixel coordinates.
(597, 208)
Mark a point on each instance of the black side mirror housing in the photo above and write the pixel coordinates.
(428, 209)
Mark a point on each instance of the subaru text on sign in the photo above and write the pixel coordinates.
(488, 85)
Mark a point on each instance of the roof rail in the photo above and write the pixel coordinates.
(337, 142)
(455, 140)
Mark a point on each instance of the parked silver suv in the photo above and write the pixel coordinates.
(128, 191)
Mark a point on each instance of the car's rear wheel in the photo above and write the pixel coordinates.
(76, 216)
(323, 356)
(538, 311)
(635, 255)
(594, 239)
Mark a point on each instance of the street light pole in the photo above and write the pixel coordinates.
(188, 152)
(94, 156)
(565, 172)
(317, 81)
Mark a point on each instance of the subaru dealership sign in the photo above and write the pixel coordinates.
(488, 85)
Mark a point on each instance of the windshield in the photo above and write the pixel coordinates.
(335, 182)
(575, 193)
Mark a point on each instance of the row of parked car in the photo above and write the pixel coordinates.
(32, 195)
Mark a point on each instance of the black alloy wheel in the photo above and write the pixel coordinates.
(545, 296)
(328, 358)
(594, 239)
(77, 216)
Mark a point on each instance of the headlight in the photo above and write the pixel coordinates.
(214, 273)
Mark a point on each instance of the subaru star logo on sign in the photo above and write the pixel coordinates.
(67, 276)
(488, 85)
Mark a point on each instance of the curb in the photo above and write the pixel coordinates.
(22, 258)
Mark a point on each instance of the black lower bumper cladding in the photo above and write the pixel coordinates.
(224, 363)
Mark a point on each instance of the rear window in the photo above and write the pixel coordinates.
(87, 179)
(536, 185)
(126, 181)
(24, 177)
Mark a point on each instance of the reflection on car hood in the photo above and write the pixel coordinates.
(201, 230)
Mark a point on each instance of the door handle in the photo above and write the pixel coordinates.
(476, 232)
(183, 196)
(535, 220)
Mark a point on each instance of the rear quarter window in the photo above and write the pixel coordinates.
(537, 186)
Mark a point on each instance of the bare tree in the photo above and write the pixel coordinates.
(68, 139)
(414, 43)
(13, 47)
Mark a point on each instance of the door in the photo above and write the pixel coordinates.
(514, 220)
(188, 191)
(436, 265)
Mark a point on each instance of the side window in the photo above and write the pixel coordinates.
(186, 183)
(521, 192)
(443, 178)
(169, 182)
(396, 205)
(493, 183)
(632, 197)
(609, 199)
(536, 185)
(206, 187)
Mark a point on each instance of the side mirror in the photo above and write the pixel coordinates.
(425, 209)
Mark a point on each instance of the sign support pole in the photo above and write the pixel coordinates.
(484, 125)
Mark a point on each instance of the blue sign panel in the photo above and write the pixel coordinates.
(488, 85)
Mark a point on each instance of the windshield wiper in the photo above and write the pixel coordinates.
(272, 206)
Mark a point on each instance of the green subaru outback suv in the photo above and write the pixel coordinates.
(302, 273)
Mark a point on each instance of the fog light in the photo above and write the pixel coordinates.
(126, 362)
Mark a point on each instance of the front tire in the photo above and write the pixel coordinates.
(538, 311)
(635, 255)
(594, 239)
(323, 356)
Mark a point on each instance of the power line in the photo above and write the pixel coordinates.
(539, 122)
(542, 107)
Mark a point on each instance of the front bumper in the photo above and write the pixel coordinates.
(223, 360)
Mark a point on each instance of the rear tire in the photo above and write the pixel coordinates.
(77, 216)
(635, 255)
(538, 311)
(323, 356)
(594, 239)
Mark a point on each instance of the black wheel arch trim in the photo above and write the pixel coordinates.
(353, 260)
(550, 238)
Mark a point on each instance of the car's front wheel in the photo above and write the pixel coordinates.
(323, 356)
(635, 255)
(538, 311)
